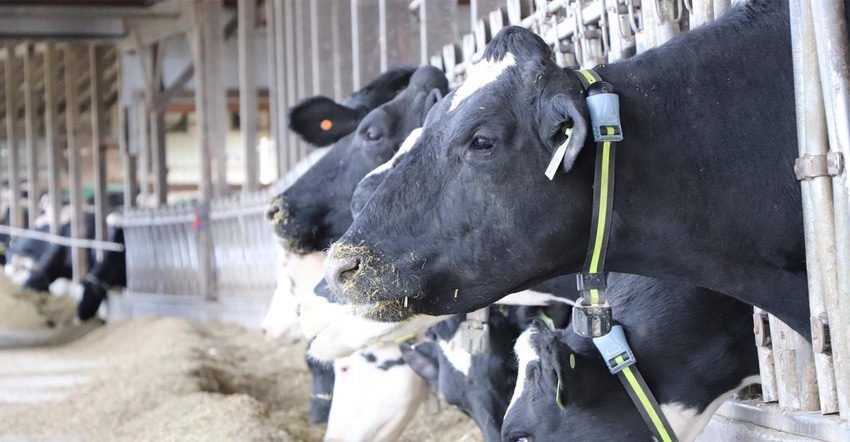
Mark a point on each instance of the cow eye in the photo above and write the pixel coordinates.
(523, 439)
(373, 135)
(482, 143)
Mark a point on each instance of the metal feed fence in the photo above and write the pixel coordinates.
(810, 383)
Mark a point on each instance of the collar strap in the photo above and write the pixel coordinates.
(621, 361)
(592, 315)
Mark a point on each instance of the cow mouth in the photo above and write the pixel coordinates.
(391, 310)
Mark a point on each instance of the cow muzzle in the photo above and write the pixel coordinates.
(373, 287)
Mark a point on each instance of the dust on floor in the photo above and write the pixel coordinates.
(165, 379)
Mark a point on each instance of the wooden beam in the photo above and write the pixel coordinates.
(51, 129)
(248, 91)
(204, 100)
(183, 79)
(96, 90)
(12, 140)
(29, 128)
(78, 230)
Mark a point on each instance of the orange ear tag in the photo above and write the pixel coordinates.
(326, 125)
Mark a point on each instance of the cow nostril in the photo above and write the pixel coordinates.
(339, 271)
(272, 210)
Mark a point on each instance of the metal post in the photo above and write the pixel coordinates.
(293, 86)
(140, 122)
(248, 92)
(382, 33)
(156, 115)
(720, 7)
(29, 127)
(703, 12)
(16, 218)
(355, 46)
(832, 42)
(51, 128)
(96, 69)
(213, 40)
(78, 228)
(817, 206)
(275, 116)
(128, 160)
(315, 55)
(666, 24)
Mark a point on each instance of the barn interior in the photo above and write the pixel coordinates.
(175, 114)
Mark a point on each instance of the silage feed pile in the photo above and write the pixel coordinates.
(166, 379)
(33, 311)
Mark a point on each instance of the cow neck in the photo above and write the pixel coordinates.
(592, 313)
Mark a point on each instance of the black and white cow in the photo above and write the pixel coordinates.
(314, 212)
(56, 261)
(480, 386)
(109, 272)
(704, 190)
(693, 347)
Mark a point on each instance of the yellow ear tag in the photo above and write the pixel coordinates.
(326, 125)
(558, 157)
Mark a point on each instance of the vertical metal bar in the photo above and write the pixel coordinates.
(275, 117)
(248, 91)
(720, 7)
(96, 69)
(203, 104)
(78, 261)
(336, 50)
(817, 196)
(314, 47)
(156, 115)
(16, 218)
(767, 361)
(833, 52)
(285, 89)
(294, 82)
(703, 12)
(51, 127)
(355, 46)
(29, 129)
(423, 34)
(785, 358)
(382, 33)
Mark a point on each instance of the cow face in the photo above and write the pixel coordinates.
(480, 386)
(594, 405)
(375, 395)
(315, 210)
(458, 221)
(297, 275)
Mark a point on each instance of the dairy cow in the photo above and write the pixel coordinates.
(704, 191)
(313, 212)
(109, 272)
(691, 360)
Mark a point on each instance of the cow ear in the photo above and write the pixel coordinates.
(560, 364)
(321, 121)
(422, 358)
(559, 116)
(433, 97)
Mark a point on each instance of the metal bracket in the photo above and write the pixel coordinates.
(811, 166)
(761, 329)
(614, 345)
(820, 334)
(475, 332)
(592, 321)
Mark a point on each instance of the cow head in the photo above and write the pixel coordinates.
(375, 395)
(464, 218)
(564, 391)
(314, 211)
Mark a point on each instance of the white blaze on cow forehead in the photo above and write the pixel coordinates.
(688, 423)
(405, 147)
(479, 75)
(453, 349)
(525, 354)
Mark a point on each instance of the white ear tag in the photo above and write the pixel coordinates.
(558, 157)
